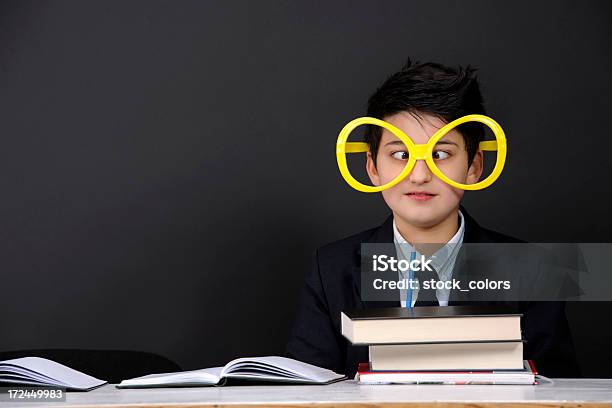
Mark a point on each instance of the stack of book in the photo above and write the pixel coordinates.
(449, 345)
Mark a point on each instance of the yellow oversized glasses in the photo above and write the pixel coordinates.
(420, 152)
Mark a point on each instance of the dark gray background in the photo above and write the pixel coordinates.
(167, 167)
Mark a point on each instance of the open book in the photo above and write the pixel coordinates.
(42, 372)
(272, 369)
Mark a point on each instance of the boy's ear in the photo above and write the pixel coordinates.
(371, 169)
(475, 169)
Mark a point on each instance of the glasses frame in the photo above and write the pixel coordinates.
(420, 151)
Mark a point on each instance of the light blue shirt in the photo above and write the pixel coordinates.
(443, 261)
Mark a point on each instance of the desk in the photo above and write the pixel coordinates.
(348, 394)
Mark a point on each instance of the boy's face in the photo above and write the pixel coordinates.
(422, 199)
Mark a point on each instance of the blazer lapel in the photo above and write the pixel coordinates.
(473, 233)
(382, 235)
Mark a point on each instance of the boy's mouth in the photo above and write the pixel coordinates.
(420, 195)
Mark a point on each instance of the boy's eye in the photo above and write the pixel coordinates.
(400, 155)
(440, 155)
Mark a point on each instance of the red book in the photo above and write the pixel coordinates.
(526, 376)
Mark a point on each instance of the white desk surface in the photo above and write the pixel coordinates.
(565, 392)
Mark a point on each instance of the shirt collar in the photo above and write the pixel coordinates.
(441, 256)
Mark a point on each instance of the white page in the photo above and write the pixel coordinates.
(304, 371)
(206, 376)
(259, 368)
(10, 378)
(27, 374)
(60, 373)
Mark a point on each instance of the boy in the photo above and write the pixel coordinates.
(418, 100)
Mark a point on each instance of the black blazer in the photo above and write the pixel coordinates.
(333, 286)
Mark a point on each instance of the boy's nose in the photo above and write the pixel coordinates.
(420, 173)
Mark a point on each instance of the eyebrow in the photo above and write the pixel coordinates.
(394, 142)
(446, 142)
(440, 142)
